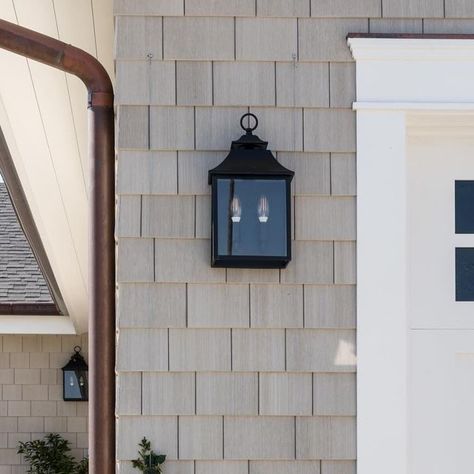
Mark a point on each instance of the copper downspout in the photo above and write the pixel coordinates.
(72, 60)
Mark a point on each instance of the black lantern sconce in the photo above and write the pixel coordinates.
(251, 206)
(75, 383)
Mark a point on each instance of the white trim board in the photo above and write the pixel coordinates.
(36, 325)
(404, 87)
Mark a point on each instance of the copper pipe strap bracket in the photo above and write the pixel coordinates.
(101, 99)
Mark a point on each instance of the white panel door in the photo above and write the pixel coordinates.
(441, 354)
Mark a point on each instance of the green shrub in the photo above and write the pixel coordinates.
(50, 455)
(148, 461)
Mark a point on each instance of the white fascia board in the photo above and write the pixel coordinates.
(36, 325)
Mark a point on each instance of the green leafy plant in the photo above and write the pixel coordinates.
(148, 461)
(50, 455)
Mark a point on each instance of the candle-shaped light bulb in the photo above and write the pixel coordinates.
(263, 209)
(235, 209)
(81, 381)
(71, 381)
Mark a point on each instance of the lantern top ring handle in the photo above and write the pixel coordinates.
(249, 129)
(77, 349)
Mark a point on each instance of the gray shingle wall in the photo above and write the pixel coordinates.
(31, 396)
(21, 280)
(242, 371)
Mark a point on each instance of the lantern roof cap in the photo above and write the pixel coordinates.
(77, 362)
(249, 157)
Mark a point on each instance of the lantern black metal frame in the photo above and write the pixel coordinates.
(249, 159)
(76, 364)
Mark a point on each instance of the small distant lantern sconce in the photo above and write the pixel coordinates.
(251, 206)
(75, 381)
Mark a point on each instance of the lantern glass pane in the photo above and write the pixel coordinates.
(252, 217)
(75, 384)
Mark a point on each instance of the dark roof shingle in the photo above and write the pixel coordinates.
(21, 280)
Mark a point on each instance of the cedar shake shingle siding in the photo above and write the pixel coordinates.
(238, 371)
(21, 280)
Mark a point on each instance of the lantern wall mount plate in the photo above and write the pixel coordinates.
(75, 378)
(251, 206)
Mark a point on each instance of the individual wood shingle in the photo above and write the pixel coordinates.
(269, 437)
(161, 431)
(345, 267)
(200, 437)
(244, 83)
(449, 26)
(149, 7)
(330, 306)
(285, 394)
(325, 39)
(333, 130)
(345, 9)
(199, 350)
(203, 217)
(281, 127)
(198, 38)
(302, 84)
(283, 8)
(285, 467)
(276, 306)
(193, 167)
(142, 350)
(168, 393)
(253, 275)
(171, 128)
(220, 7)
(137, 37)
(266, 39)
(219, 467)
(325, 218)
(129, 393)
(326, 438)
(395, 25)
(185, 261)
(145, 83)
(146, 172)
(151, 305)
(194, 82)
(316, 350)
(343, 174)
(219, 306)
(168, 216)
(312, 172)
(135, 260)
(338, 467)
(312, 263)
(413, 8)
(335, 394)
(459, 9)
(128, 218)
(258, 349)
(132, 126)
(216, 127)
(343, 84)
(227, 394)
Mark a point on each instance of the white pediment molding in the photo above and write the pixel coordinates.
(414, 71)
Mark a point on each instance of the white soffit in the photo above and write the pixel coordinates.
(43, 114)
(405, 87)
